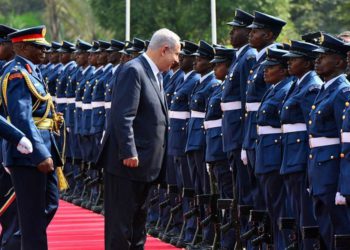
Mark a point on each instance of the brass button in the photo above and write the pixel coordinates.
(343, 117)
(310, 122)
(347, 104)
(310, 156)
(251, 71)
(298, 140)
(319, 112)
(313, 107)
(342, 155)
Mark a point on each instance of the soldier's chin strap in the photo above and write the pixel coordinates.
(43, 122)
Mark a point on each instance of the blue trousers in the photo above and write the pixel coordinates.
(331, 219)
(198, 173)
(275, 196)
(10, 237)
(180, 163)
(37, 200)
(301, 204)
(223, 177)
(256, 189)
(173, 177)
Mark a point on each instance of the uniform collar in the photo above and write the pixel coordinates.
(98, 69)
(86, 69)
(107, 67)
(240, 50)
(205, 76)
(29, 66)
(263, 51)
(188, 74)
(67, 65)
(328, 83)
(7, 63)
(303, 77)
(115, 68)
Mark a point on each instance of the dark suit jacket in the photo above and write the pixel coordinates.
(138, 124)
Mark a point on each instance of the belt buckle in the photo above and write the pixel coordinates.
(310, 142)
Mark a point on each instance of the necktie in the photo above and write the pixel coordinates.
(160, 81)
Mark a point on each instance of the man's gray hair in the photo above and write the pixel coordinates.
(162, 37)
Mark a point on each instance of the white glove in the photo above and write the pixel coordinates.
(244, 157)
(25, 146)
(103, 135)
(339, 199)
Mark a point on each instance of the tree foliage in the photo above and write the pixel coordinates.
(105, 19)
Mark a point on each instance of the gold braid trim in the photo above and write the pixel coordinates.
(58, 119)
(4, 87)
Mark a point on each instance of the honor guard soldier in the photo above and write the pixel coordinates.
(82, 54)
(87, 137)
(138, 45)
(101, 92)
(29, 106)
(345, 140)
(49, 66)
(269, 144)
(294, 119)
(98, 95)
(65, 52)
(233, 107)
(118, 48)
(265, 30)
(343, 194)
(87, 75)
(179, 114)
(52, 73)
(88, 71)
(215, 156)
(126, 54)
(87, 100)
(6, 49)
(69, 65)
(195, 146)
(325, 126)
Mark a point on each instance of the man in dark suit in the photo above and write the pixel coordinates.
(133, 150)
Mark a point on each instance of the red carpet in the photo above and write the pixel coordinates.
(74, 228)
